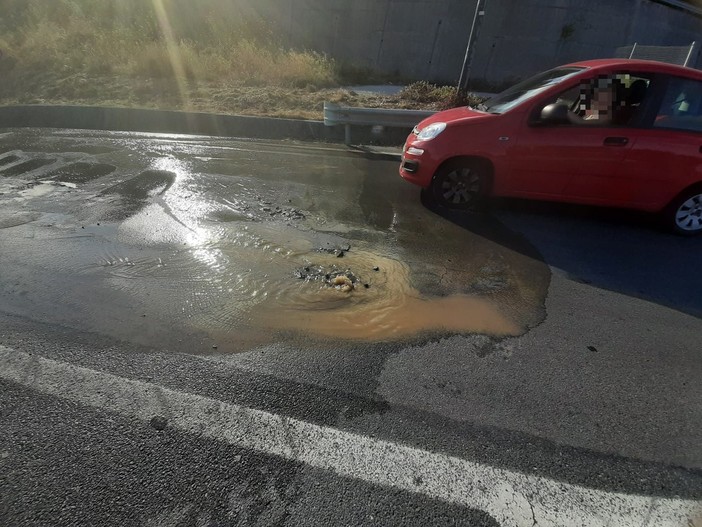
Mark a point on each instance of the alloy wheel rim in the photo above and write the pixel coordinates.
(460, 186)
(689, 214)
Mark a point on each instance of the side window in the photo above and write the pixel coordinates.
(606, 100)
(570, 98)
(681, 107)
(634, 92)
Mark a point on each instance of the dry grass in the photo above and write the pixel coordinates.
(212, 59)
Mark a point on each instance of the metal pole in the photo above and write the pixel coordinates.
(689, 53)
(465, 70)
(633, 48)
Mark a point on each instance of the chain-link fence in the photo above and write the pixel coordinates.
(681, 55)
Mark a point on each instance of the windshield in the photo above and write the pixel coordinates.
(527, 89)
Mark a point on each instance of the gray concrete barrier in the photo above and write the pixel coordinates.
(165, 121)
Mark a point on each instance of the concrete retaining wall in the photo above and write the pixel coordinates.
(426, 39)
(521, 37)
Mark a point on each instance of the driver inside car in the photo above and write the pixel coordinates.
(599, 102)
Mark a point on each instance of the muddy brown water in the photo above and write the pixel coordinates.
(187, 242)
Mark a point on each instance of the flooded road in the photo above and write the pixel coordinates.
(206, 243)
(188, 325)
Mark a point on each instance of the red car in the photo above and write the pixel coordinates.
(622, 133)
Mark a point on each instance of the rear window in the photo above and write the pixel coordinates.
(681, 107)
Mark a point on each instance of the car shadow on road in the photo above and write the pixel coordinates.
(622, 251)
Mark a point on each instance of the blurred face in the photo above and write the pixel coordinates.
(603, 99)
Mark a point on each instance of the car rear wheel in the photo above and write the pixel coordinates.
(684, 215)
(460, 185)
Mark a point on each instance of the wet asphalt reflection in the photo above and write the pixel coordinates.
(203, 243)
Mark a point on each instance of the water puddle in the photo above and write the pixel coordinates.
(66, 184)
(82, 172)
(246, 251)
(10, 219)
(39, 190)
(379, 305)
(26, 166)
(227, 216)
(137, 191)
(268, 279)
(6, 160)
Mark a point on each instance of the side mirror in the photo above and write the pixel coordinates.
(556, 113)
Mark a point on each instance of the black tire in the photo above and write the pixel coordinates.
(684, 214)
(460, 185)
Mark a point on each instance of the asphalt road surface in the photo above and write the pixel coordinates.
(213, 332)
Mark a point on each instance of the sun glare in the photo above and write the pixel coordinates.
(173, 51)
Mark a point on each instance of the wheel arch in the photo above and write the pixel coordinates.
(692, 187)
(484, 163)
(668, 214)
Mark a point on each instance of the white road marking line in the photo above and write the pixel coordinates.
(512, 498)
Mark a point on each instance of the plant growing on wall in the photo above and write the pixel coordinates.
(567, 31)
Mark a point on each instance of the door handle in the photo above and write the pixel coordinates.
(616, 141)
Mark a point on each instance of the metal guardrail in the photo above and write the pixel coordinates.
(335, 115)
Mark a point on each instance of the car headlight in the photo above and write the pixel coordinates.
(431, 131)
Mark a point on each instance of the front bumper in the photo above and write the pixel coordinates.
(417, 169)
(410, 166)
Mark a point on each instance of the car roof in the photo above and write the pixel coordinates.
(641, 65)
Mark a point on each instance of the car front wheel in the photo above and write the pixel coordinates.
(684, 215)
(460, 185)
